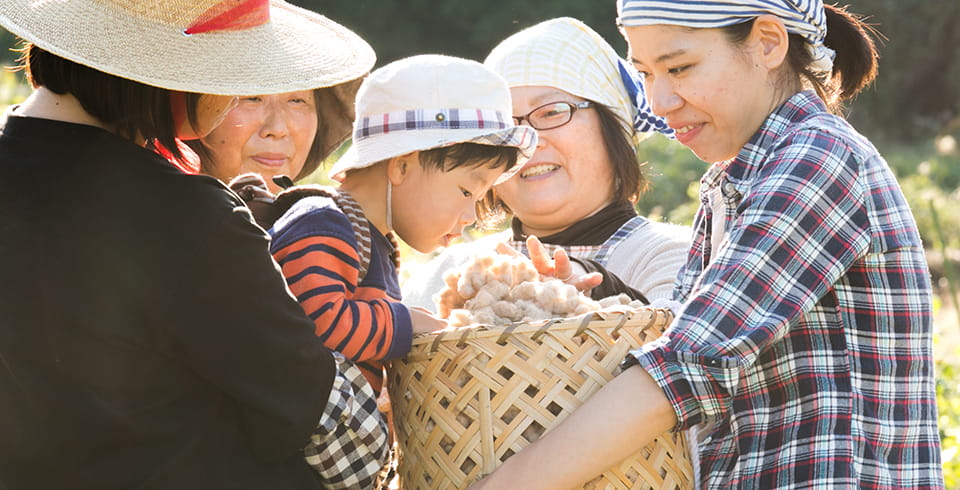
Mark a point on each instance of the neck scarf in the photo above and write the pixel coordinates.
(804, 17)
(593, 230)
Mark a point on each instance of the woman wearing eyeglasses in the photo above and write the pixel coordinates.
(578, 191)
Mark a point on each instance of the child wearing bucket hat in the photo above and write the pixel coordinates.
(432, 134)
(128, 360)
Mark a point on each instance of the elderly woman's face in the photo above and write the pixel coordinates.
(570, 176)
(265, 134)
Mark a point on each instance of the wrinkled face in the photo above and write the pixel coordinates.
(569, 177)
(432, 207)
(210, 112)
(710, 91)
(266, 134)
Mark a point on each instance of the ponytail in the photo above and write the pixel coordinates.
(855, 65)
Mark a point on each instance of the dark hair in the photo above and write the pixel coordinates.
(854, 67)
(314, 157)
(450, 157)
(133, 109)
(628, 180)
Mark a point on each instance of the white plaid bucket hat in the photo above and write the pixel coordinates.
(431, 101)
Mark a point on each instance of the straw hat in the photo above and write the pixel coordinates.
(229, 47)
(431, 101)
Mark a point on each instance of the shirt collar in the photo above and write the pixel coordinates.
(797, 108)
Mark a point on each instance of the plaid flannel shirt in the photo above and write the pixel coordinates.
(803, 351)
(350, 446)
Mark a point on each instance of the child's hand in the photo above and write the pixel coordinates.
(254, 192)
(425, 322)
(558, 267)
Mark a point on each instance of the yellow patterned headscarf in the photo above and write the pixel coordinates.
(565, 53)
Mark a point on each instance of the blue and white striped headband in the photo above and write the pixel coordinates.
(804, 17)
(644, 120)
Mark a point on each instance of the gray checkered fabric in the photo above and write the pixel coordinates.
(350, 446)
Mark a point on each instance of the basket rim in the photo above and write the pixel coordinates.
(605, 318)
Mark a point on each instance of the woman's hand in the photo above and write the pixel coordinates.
(558, 267)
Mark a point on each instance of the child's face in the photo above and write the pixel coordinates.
(432, 207)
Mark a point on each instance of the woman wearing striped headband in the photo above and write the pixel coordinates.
(802, 354)
(577, 191)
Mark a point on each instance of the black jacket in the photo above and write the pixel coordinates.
(147, 339)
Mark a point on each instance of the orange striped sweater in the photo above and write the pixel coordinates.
(317, 251)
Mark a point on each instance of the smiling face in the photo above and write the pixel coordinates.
(570, 175)
(713, 93)
(432, 207)
(267, 134)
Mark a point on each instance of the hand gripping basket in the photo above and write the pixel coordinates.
(465, 400)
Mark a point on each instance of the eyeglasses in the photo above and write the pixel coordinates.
(552, 115)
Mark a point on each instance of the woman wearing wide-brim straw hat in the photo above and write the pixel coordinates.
(129, 357)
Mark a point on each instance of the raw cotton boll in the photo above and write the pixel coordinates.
(508, 310)
(447, 300)
(450, 278)
(586, 307)
(483, 299)
(527, 291)
(498, 290)
(486, 316)
(552, 295)
(532, 311)
(620, 299)
(460, 318)
(525, 272)
(474, 276)
(568, 300)
(471, 280)
(502, 270)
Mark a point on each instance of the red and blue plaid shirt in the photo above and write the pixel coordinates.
(803, 351)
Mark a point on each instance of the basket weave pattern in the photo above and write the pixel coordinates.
(465, 400)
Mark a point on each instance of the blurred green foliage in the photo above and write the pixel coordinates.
(673, 174)
(948, 403)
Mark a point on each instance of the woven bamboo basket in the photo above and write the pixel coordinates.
(465, 400)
